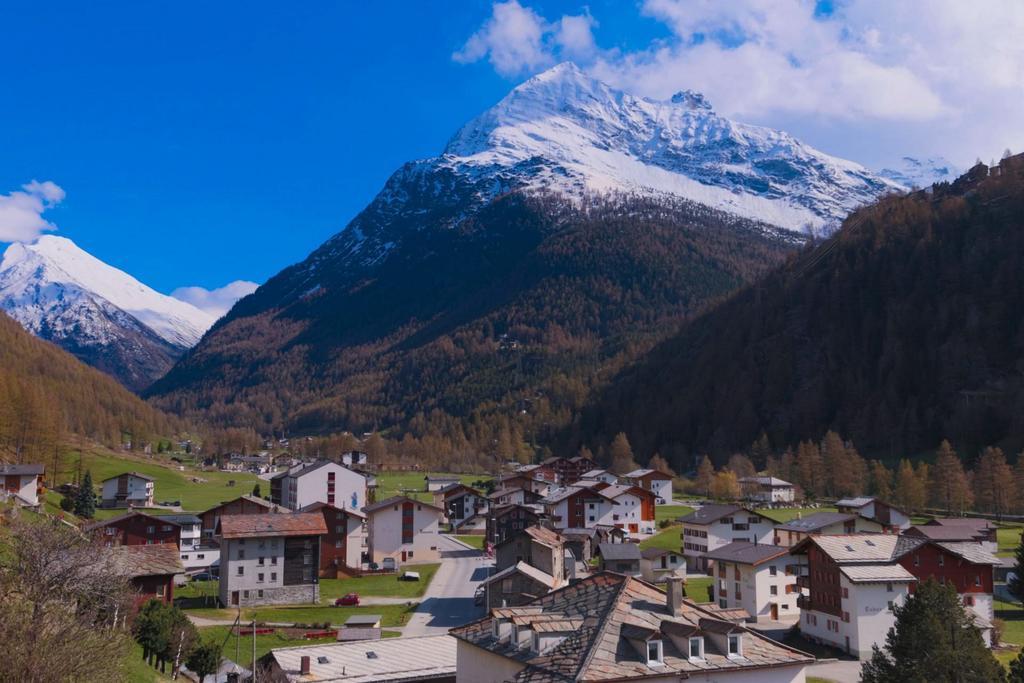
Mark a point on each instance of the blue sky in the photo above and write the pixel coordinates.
(201, 143)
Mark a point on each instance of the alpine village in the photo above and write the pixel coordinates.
(614, 387)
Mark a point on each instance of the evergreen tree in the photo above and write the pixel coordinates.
(204, 660)
(994, 484)
(910, 490)
(933, 641)
(761, 451)
(1016, 585)
(881, 480)
(621, 455)
(810, 469)
(948, 482)
(256, 491)
(1017, 669)
(85, 502)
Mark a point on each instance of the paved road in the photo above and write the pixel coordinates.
(448, 601)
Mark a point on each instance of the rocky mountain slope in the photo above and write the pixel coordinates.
(100, 314)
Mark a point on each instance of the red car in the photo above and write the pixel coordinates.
(352, 599)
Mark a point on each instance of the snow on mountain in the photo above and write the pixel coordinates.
(594, 137)
(46, 276)
(912, 172)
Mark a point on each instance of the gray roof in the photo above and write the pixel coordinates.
(524, 569)
(619, 551)
(858, 548)
(972, 552)
(372, 661)
(709, 514)
(858, 502)
(765, 481)
(131, 474)
(362, 620)
(26, 468)
(651, 553)
(744, 552)
(876, 573)
(180, 519)
(818, 520)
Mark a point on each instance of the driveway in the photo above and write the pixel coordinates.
(448, 601)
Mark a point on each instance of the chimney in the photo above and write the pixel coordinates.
(304, 666)
(674, 594)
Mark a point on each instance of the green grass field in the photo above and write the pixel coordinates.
(786, 514)
(197, 490)
(1008, 536)
(391, 615)
(413, 485)
(1012, 615)
(223, 636)
(475, 540)
(697, 589)
(386, 585)
(671, 512)
(668, 539)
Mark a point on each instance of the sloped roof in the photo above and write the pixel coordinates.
(313, 507)
(765, 481)
(525, 569)
(709, 514)
(611, 608)
(852, 548)
(858, 502)
(974, 523)
(819, 520)
(180, 519)
(132, 474)
(398, 499)
(247, 497)
(876, 573)
(944, 533)
(652, 553)
(159, 559)
(972, 552)
(297, 524)
(743, 552)
(393, 659)
(21, 469)
(122, 517)
(619, 551)
(644, 472)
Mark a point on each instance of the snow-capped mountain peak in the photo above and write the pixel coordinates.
(912, 172)
(565, 130)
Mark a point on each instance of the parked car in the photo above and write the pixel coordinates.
(352, 599)
(204, 576)
(409, 576)
(374, 567)
(388, 564)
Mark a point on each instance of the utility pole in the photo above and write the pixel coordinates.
(238, 632)
(254, 648)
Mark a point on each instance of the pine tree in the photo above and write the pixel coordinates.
(204, 660)
(256, 491)
(85, 502)
(761, 451)
(933, 641)
(621, 455)
(994, 484)
(741, 465)
(1017, 669)
(910, 490)
(881, 480)
(705, 475)
(810, 469)
(1016, 585)
(948, 482)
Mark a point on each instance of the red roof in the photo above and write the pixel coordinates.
(297, 524)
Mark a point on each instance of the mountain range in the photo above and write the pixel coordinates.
(487, 290)
(100, 314)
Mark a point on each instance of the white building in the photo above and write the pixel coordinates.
(270, 559)
(403, 529)
(22, 482)
(616, 628)
(195, 555)
(657, 564)
(423, 658)
(712, 526)
(600, 475)
(658, 483)
(854, 582)
(767, 490)
(320, 482)
(889, 516)
(754, 578)
(128, 489)
(824, 523)
(632, 509)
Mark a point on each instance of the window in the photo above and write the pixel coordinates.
(241, 553)
(891, 605)
(888, 587)
(259, 593)
(917, 560)
(773, 590)
(942, 560)
(735, 649)
(846, 617)
(977, 579)
(273, 576)
(166, 527)
(259, 578)
(241, 571)
(495, 628)
(201, 556)
(846, 592)
(184, 557)
(654, 656)
(697, 648)
(273, 560)
(773, 571)
(536, 642)
(150, 529)
(261, 562)
(245, 594)
(969, 600)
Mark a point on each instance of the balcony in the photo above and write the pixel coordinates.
(803, 581)
(796, 570)
(803, 602)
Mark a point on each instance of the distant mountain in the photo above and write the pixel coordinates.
(559, 234)
(921, 173)
(901, 330)
(100, 314)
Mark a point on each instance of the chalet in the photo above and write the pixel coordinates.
(754, 578)
(135, 528)
(243, 505)
(600, 475)
(540, 472)
(324, 481)
(712, 526)
(580, 542)
(767, 490)
(537, 546)
(825, 523)
(619, 557)
(341, 548)
(195, 554)
(270, 559)
(460, 502)
(854, 582)
(617, 628)
(959, 529)
(402, 529)
(129, 489)
(966, 566)
(892, 518)
(22, 483)
(151, 570)
(513, 496)
(518, 584)
(632, 508)
(503, 521)
(435, 482)
(392, 660)
(655, 481)
(657, 564)
(575, 506)
(570, 470)
(526, 482)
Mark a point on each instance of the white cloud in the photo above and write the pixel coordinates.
(21, 211)
(216, 302)
(871, 80)
(515, 39)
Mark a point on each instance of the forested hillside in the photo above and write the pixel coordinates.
(47, 394)
(903, 329)
(481, 336)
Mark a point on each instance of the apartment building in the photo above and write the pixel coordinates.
(324, 481)
(755, 578)
(129, 489)
(824, 523)
(342, 547)
(403, 529)
(712, 526)
(655, 481)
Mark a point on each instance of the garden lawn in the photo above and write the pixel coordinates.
(667, 539)
(1008, 537)
(697, 588)
(222, 635)
(1013, 615)
(784, 515)
(413, 485)
(380, 585)
(475, 540)
(139, 671)
(391, 615)
(170, 483)
(671, 512)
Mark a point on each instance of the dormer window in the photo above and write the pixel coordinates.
(696, 648)
(655, 653)
(735, 645)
